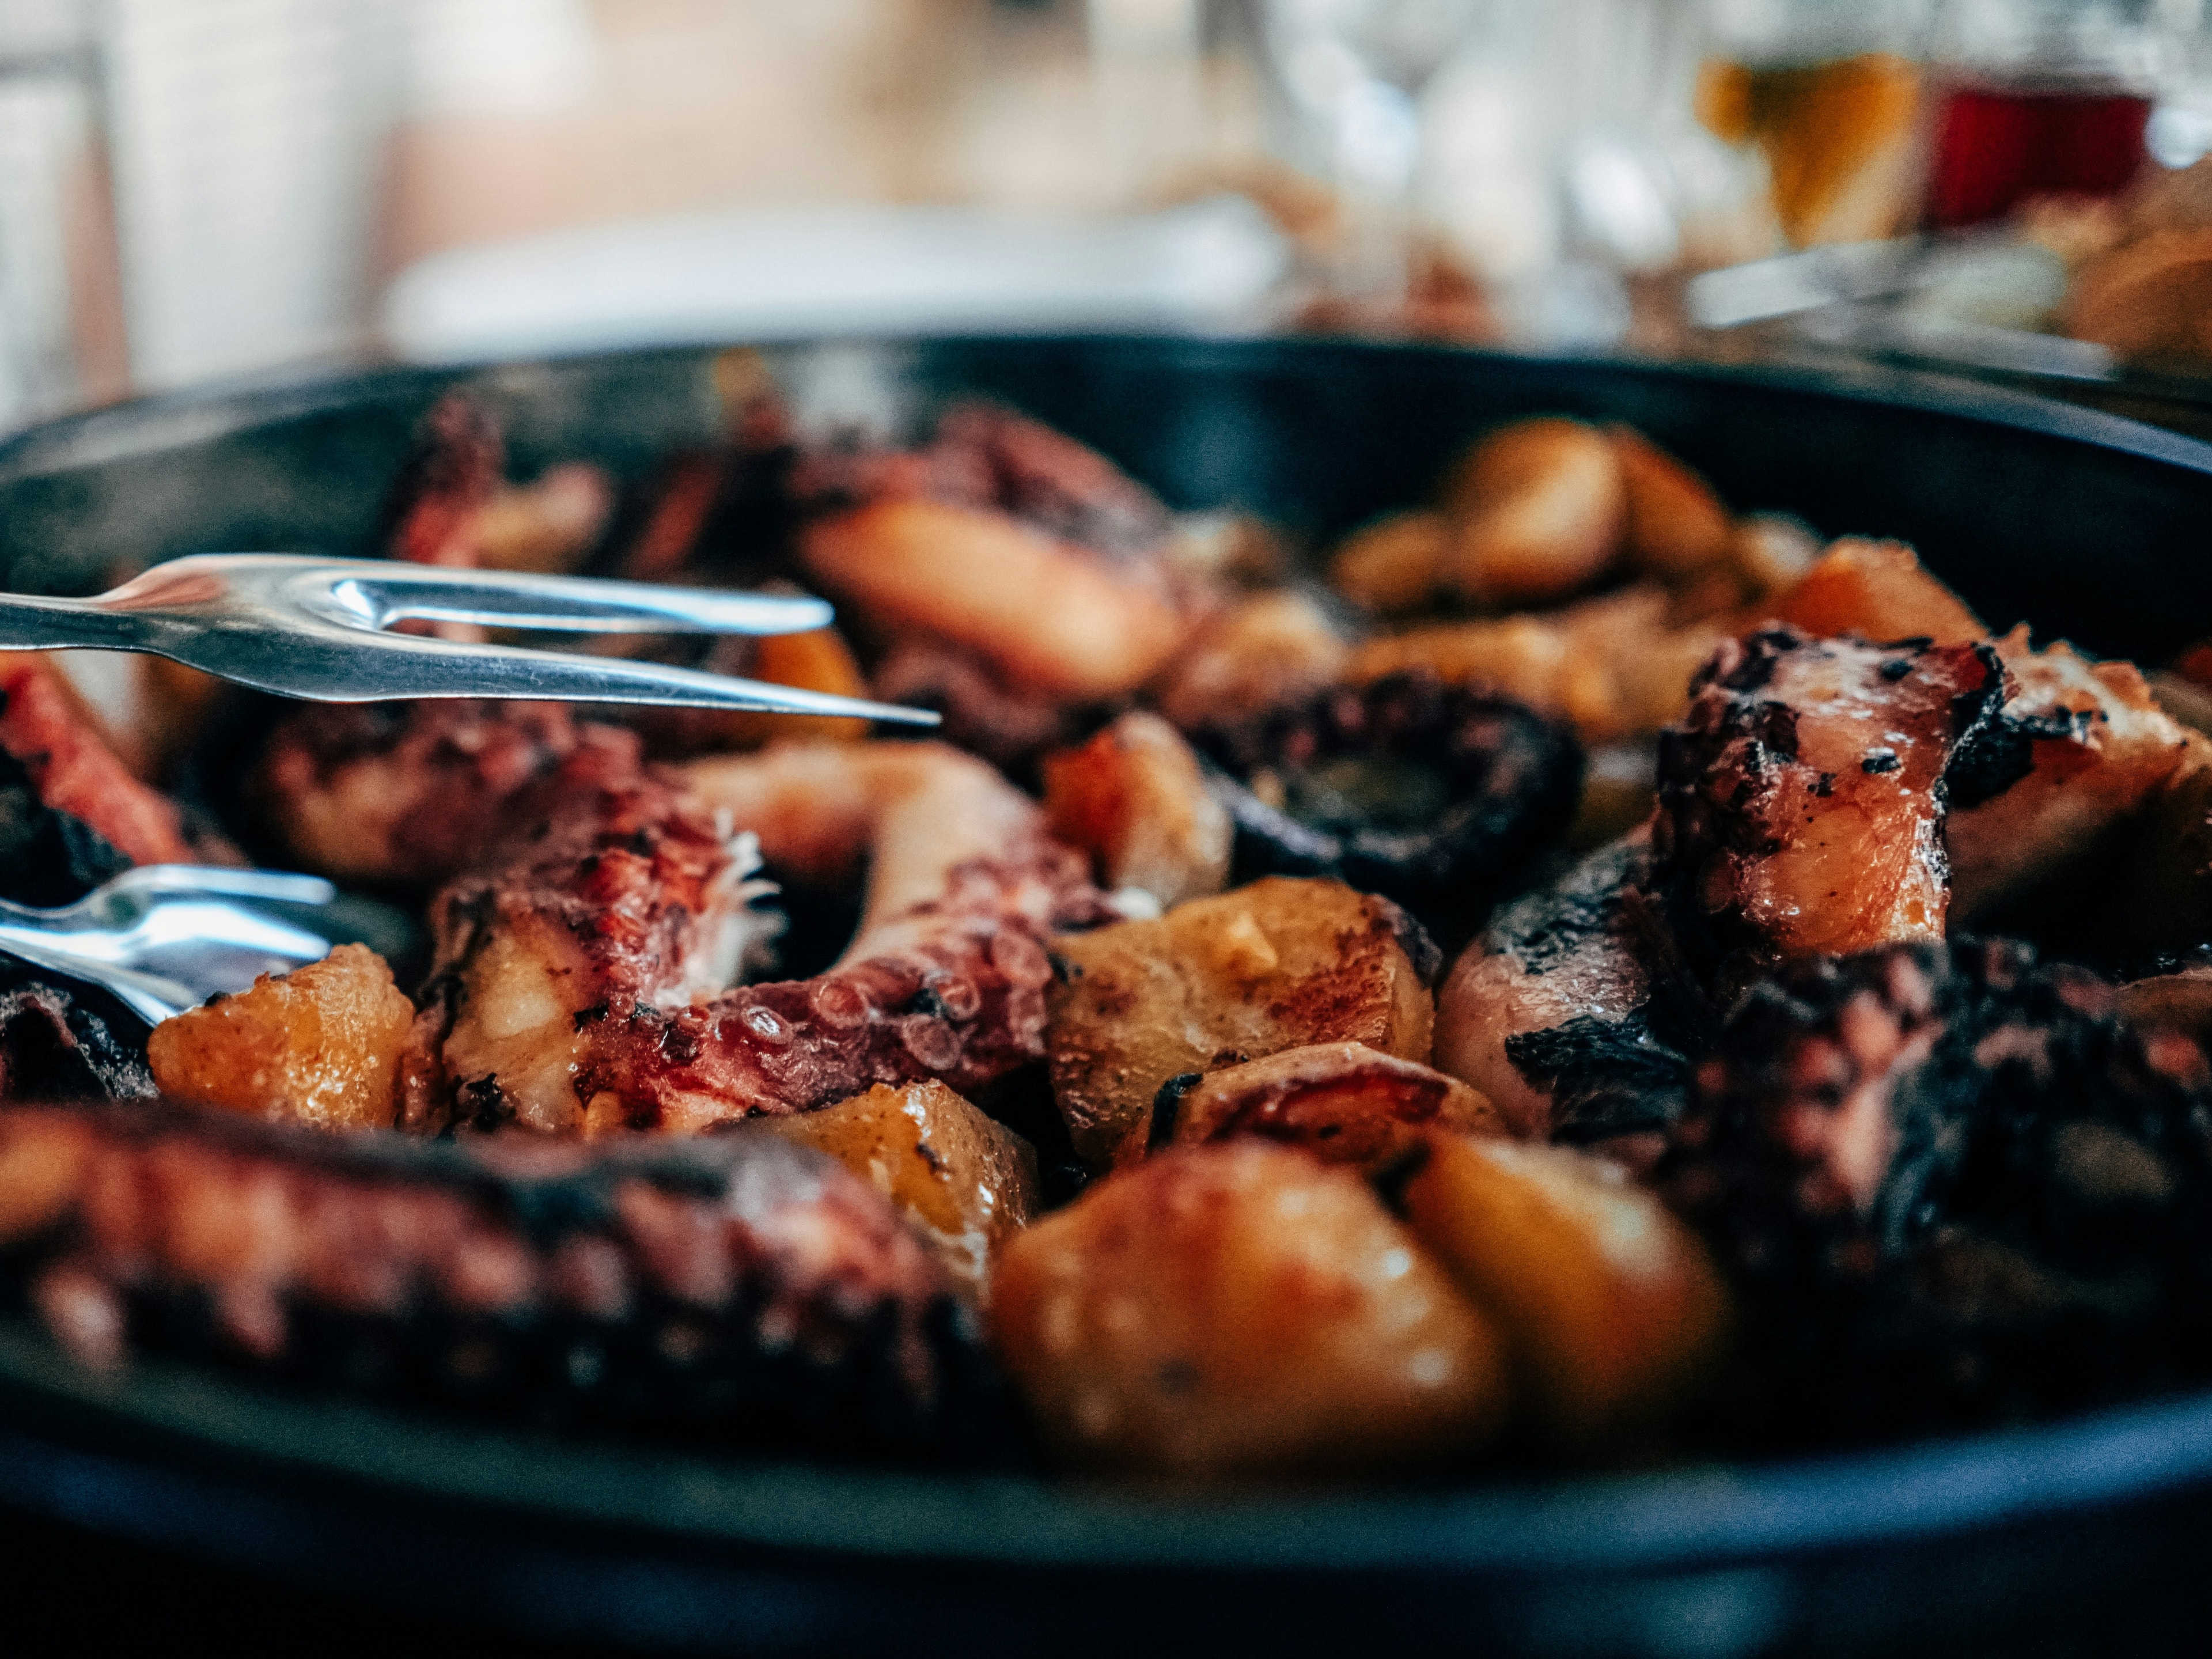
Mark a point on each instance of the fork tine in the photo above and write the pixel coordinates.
(382, 593)
(356, 666)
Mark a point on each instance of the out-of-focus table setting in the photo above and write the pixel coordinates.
(198, 189)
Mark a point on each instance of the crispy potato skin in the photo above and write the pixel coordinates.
(1343, 1102)
(1218, 981)
(319, 1046)
(1878, 591)
(1241, 1311)
(967, 1183)
(1611, 1308)
(1048, 615)
(1676, 525)
(1539, 508)
(1134, 798)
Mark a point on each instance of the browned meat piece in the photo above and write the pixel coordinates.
(64, 1041)
(1953, 1187)
(1801, 799)
(740, 1289)
(2079, 747)
(434, 513)
(1555, 1011)
(415, 793)
(71, 815)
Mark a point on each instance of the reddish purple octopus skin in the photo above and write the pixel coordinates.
(595, 892)
(733, 1287)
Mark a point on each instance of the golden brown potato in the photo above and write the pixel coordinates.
(1051, 618)
(965, 1180)
(1878, 591)
(1614, 665)
(1342, 1102)
(1537, 508)
(1269, 649)
(1218, 981)
(1611, 1308)
(1241, 1311)
(1676, 525)
(1134, 798)
(1395, 563)
(319, 1046)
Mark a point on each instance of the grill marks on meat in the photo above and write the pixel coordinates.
(580, 974)
(1801, 799)
(1953, 1187)
(738, 1289)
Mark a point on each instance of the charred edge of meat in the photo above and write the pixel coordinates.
(60, 1040)
(47, 857)
(1607, 1077)
(1953, 1189)
(737, 1289)
(1434, 795)
(1732, 778)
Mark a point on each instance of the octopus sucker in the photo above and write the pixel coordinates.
(741, 1289)
(581, 983)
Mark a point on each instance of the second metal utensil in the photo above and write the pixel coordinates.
(320, 629)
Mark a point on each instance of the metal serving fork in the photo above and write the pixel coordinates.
(319, 629)
(165, 936)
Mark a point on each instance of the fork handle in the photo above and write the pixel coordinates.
(33, 623)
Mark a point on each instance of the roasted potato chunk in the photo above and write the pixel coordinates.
(1878, 591)
(1342, 1102)
(1394, 563)
(1676, 525)
(1538, 507)
(1218, 981)
(1611, 1309)
(1134, 799)
(318, 1046)
(1241, 1310)
(965, 1180)
(1267, 650)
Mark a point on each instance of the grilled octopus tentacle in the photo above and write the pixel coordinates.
(740, 1287)
(579, 981)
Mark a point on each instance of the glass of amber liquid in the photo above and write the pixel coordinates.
(1828, 93)
(2037, 98)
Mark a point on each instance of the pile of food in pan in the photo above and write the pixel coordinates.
(1596, 977)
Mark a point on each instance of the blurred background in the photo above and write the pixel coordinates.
(201, 189)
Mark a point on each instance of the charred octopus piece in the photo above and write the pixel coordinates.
(1431, 795)
(1801, 799)
(1559, 1012)
(1953, 1187)
(581, 968)
(740, 1289)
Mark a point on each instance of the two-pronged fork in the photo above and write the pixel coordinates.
(319, 629)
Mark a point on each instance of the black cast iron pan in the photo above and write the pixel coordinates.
(2082, 523)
